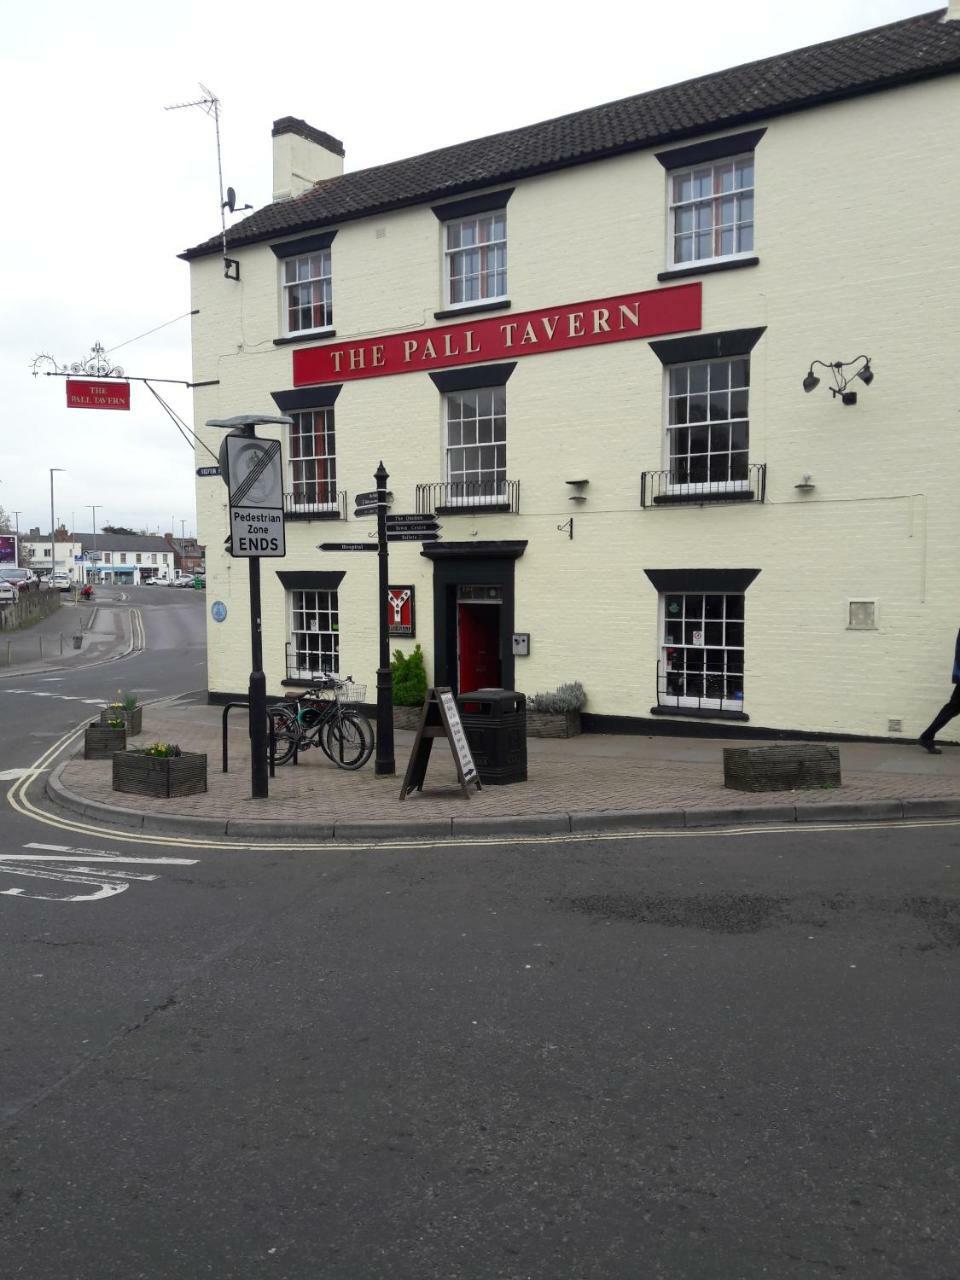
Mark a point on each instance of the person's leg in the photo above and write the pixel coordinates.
(946, 713)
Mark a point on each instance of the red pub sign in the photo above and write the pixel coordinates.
(504, 337)
(83, 393)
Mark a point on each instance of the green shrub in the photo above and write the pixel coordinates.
(409, 678)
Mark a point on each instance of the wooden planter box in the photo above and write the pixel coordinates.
(407, 717)
(100, 742)
(165, 776)
(799, 765)
(548, 724)
(134, 718)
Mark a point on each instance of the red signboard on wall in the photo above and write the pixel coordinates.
(84, 393)
(504, 337)
(401, 620)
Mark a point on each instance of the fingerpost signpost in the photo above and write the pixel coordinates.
(390, 528)
(252, 470)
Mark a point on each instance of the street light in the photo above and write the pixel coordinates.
(93, 508)
(53, 527)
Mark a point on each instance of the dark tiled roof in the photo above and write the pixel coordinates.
(121, 542)
(914, 49)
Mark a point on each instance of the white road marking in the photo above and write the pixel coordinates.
(11, 775)
(78, 867)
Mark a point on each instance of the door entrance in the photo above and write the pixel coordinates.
(478, 638)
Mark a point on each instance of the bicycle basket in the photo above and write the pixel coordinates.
(350, 692)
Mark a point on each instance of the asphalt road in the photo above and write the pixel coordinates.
(692, 1056)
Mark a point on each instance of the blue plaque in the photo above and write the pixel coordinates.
(218, 611)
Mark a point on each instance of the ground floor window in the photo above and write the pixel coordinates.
(314, 633)
(701, 662)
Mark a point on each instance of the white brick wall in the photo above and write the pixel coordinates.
(855, 203)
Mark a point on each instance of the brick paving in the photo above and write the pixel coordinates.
(592, 773)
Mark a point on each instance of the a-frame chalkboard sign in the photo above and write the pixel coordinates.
(440, 718)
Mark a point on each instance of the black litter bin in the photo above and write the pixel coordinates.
(495, 722)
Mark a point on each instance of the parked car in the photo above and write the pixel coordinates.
(8, 592)
(149, 582)
(22, 579)
(182, 580)
(61, 582)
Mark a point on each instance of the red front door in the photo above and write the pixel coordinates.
(478, 637)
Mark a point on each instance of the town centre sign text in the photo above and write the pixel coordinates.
(504, 336)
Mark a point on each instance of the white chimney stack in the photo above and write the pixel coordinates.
(952, 11)
(302, 156)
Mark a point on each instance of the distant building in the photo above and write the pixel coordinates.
(130, 559)
(189, 555)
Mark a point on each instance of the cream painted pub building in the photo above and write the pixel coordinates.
(678, 373)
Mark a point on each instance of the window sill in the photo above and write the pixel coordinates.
(699, 713)
(699, 499)
(310, 336)
(473, 309)
(678, 273)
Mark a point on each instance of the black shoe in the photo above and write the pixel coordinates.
(929, 745)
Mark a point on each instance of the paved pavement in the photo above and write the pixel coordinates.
(590, 783)
(105, 627)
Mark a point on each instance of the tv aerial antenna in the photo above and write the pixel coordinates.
(211, 106)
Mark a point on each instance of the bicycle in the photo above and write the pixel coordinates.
(342, 733)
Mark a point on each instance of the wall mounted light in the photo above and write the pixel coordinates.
(841, 379)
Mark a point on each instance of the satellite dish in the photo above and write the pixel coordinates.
(231, 199)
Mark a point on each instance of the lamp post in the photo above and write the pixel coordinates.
(53, 526)
(93, 508)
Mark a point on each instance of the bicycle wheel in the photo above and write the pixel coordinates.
(287, 737)
(348, 740)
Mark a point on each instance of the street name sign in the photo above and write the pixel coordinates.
(208, 471)
(372, 498)
(423, 526)
(410, 518)
(255, 479)
(347, 546)
(413, 537)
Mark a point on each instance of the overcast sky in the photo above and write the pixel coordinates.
(103, 187)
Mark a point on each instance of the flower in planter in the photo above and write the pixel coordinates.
(162, 750)
(118, 723)
(567, 697)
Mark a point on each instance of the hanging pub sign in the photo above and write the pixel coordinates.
(401, 620)
(440, 718)
(644, 314)
(87, 393)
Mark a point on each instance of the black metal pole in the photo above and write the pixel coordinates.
(384, 764)
(259, 785)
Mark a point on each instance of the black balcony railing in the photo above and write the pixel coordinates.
(672, 488)
(704, 691)
(473, 496)
(315, 502)
(312, 656)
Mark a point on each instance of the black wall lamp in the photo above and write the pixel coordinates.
(842, 379)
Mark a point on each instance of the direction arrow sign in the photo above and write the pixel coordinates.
(208, 471)
(413, 537)
(412, 518)
(347, 546)
(360, 512)
(394, 530)
(371, 496)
